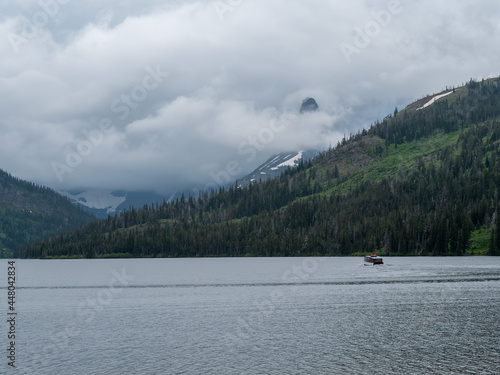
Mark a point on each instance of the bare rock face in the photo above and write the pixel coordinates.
(308, 105)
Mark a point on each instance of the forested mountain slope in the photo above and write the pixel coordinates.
(29, 212)
(421, 182)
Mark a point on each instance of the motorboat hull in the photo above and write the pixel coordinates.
(373, 259)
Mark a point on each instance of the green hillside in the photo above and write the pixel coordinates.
(421, 182)
(29, 213)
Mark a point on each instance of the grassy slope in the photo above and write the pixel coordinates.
(360, 161)
(402, 158)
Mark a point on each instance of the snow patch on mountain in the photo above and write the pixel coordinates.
(276, 164)
(270, 162)
(97, 199)
(292, 162)
(434, 99)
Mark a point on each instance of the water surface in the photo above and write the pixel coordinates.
(257, 316)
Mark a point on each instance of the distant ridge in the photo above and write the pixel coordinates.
(102, 203)
(418, 183)
(29, 212)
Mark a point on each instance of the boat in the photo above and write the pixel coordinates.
(374, 259)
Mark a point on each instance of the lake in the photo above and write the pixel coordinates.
(431, 315)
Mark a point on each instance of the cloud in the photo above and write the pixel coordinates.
(226, 78)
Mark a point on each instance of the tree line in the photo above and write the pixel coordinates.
(30, 212)
(431, 208)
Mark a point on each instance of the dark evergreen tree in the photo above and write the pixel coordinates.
(375, 201)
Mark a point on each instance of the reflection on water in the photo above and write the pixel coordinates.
(259, 316)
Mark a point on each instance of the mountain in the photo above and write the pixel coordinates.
(276, 164)
(421, 182)
(309, 105)
(29, 212)
(102, 203)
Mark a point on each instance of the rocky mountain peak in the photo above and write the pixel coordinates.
(308, 105)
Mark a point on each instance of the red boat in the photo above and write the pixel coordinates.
(374, 259)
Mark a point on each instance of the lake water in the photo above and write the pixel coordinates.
(255, 316)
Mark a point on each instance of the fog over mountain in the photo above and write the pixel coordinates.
(162, 96)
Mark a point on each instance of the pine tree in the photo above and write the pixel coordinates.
(497, 235)
(492, 247)
(336, 172)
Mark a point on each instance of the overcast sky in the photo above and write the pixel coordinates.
(169, 95)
